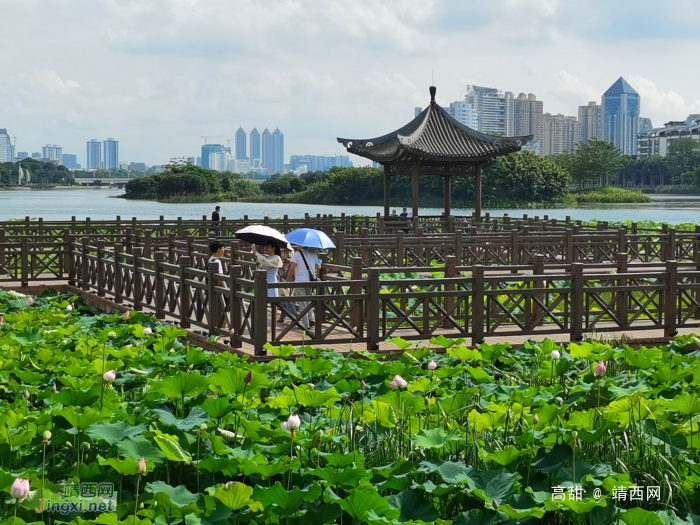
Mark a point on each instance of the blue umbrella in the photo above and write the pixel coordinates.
(308, 238)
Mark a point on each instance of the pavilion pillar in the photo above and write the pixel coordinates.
(387, 190)
(416, 188)
(477, 192)
(448, 196)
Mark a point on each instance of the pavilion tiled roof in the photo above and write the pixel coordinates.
(435, 136)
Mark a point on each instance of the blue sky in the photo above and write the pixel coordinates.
(159, 74)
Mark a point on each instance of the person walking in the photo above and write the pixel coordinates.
(216, 221)
(216, 252)
(271, 262)
(282, 274)
(303, 270)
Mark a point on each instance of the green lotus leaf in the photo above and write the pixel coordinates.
(114, 432)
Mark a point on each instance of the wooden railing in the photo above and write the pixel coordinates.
(472, 302)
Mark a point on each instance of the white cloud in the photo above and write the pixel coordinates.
(50, 81)
(656, 101)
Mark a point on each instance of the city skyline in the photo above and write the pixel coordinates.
(567, 53)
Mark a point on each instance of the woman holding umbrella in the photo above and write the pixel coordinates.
(271, 261)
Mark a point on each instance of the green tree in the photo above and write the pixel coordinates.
(683, 160)
(593, 163)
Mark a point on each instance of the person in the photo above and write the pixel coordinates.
(271, 262)
(302, 270)
(393, 213)
(404, 213)
(287, 308)
(216, 251)
(216, 221)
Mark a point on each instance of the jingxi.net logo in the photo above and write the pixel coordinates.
(81, 497)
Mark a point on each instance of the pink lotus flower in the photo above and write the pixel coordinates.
(432, 365)
(127, 315)
(141, 466)
(536, 419)
(110, 376)
(398, 381)
(2, 320)
(30, 301)
(364, 385)
(19, 489)
(248, 377)
(600, 369)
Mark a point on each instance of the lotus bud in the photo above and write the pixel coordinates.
(203, 427)
(494, 504)
(432, 365)
(319, 435)
(574, 435)
(559, 401)
(248, 377)
(312, 385)
(112, 335)
(47, 435)
(285, 427)
(147, 331)
(293, 423)
(127, 315)
(70, 445)
(536, 419)
(69, 308)
(2, 319)
(600, 369)
(141, 467)
(555, 355)
(26, 393)
(110, 376)
(364, 385)
(19, 489)
(85, 445)
(54, 387)
(30, 301)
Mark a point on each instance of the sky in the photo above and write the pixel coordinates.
(159, 74)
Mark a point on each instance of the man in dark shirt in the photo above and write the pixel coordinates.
(216, 221)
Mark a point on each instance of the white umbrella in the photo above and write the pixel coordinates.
(258, 234)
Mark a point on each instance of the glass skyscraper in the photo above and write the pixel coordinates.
(620, 107)
(207, 150)
(255, 150)
(110, 157)
(94, 154)
(241, 146)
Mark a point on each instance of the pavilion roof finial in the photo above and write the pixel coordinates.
(433, 89)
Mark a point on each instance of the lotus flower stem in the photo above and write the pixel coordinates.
(136, 502)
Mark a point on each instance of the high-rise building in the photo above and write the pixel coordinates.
(590, 122)
(319, 162)
(52, 152)
(645, 125)
(137, 166)
(255, 150)
(658, 141)
(199, 161)
(529, 117)
(241, 146)
(268, 161)
(70, 161)
(110, 157)
(36, 155)
(207, 150)
(6, 153)
(22, 155)
(278, 151)
(94, 155)
(463, 112)
(621, 107)
(561, 134)
(495, 110)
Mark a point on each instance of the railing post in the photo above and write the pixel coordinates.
(450, 272)
(70, 262)
(339, 254)
(203, 227)
(171, 248)
(235, 273)
(260, 312)
(671, 247)
(538, 269)
(459, 249)
(158, 258)
(86, 264)
(477, 305)
(3, 239)
(356, 275)
(223, 227)
(136, 282)
(635, 246)
(147, 234)
(577, 305)
(184, 289)
(118, 281)
(25, 256)
(373, 310)
(623, 296)
(100, 269)
(570, 253)
(180, 228)
(621, 240)
(400, 258)
(214, 314)
(671, 302)
(514, 248)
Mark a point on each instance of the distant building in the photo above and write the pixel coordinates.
(463, 112)
(207, 150)
(94, 154)
(137, 166)
(417, 111)
(199, 161)
(110, 156)
(123, 165)
(561, 134)
(495, 110)
(70, 161)
(318, 162)
(529, 114)
(22, 155)
(535, 146)
(590, 122)
(658, 141)
(52, 152)
(621, 107)
(645, 125)
(241, 166)
(36, 155)
(5, 147)
(241, 146)
(255, 149)
(272, 151)
(217, 161)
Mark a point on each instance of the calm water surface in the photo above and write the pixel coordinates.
(101, 204)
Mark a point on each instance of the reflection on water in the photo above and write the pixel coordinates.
(100, 204)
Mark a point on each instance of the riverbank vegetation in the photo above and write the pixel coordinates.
(34, 172)
(561, 434)
(604, 195)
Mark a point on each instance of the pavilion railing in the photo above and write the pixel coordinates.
(366, 308)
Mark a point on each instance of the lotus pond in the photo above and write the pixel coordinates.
(582, 434)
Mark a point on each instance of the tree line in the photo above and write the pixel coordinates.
(42, 173)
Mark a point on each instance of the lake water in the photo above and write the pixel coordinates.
(101, 204)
